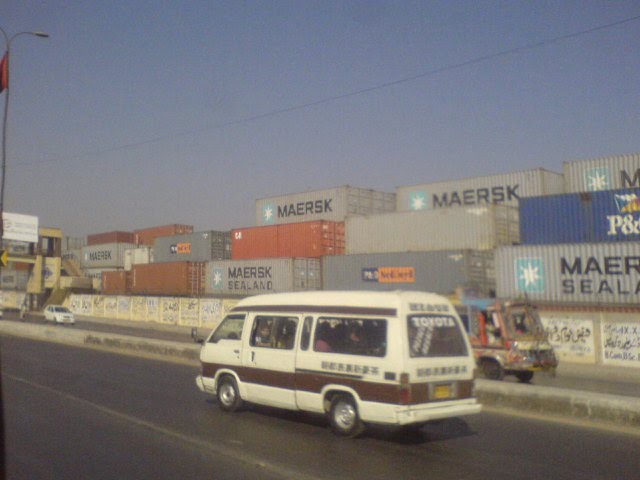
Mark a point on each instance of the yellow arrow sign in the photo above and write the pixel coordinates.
(4, 258)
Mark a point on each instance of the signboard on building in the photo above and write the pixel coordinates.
(22, 228)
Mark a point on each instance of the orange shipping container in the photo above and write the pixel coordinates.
(185, 279)
(147, 236)
(305, 239)
(110, 237)
(115, 283)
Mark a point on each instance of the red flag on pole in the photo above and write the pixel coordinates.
(4, 72)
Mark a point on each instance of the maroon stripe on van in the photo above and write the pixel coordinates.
(314, 382)
(334, 310)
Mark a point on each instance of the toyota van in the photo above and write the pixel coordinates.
(392, 358)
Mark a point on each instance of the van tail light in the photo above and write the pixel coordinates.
(405, 389)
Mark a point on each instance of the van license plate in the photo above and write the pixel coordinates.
(442, 391)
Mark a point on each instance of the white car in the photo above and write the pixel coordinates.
(59, 314)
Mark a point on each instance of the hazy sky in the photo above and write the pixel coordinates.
(139, 113)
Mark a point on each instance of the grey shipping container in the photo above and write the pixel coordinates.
(333, 204)
(270, 275)
(472, 228)
(442, 272)
(108, 255)
(606, 173)
(504, 189)
(193, 247)
(585, 274)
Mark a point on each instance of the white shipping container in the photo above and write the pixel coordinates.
(606, 173)
(580, 273)
(137, 256)
(269, 275)
(476, 228)
(332, 204)
(504, 189)
(108, 255)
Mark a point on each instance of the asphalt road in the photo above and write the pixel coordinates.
(79, 413)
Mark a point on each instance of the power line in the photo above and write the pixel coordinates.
(362, 91)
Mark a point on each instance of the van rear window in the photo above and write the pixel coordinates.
(435, 336)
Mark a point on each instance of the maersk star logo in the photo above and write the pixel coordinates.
(597, 179)
(418, 201)
(529, 275)
(217, 278)
(268, 214)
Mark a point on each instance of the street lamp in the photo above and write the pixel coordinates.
(7, 89)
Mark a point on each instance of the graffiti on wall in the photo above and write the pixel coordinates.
(189, 310)
(621, 344)
(170, 310)
(572, 339)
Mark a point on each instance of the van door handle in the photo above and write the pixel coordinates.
(253, 356)
(237, 352)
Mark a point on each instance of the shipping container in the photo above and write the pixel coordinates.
(193, 247)
(333, 204)
(269, 275)
(606, 216)
(466, 228)
(109, 237)
(147, 236)
(136, 256)
(579, 273)
(442, 272)
(305, 239)
(606, 173)
(505, 189)
(173, 279)
(108, 255)
(116, 283)
(96, 273)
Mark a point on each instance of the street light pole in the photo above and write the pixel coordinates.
(3, 173)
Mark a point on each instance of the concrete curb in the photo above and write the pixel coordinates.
(136, 345)
(561, 402)
(616, 410)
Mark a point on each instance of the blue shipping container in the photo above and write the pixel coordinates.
(605, 216)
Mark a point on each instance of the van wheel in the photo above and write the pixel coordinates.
(492, 370)
(344, 418)
(228, 395)
(524, 377)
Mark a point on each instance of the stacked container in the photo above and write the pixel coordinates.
(473, 228)
(147, 236)
(606, 173)
(587, 273)
(441, 272)
(605, 216)
(269, 275)
(174, 279)
(333, 204)
(116, 282)
(193, 247)
(110, 237)
(505, 189)
(96, 259)
(306, 239)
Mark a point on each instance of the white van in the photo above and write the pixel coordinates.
(395, 358)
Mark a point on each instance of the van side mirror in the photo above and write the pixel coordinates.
(195, 337)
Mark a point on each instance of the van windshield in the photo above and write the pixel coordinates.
(435, 336)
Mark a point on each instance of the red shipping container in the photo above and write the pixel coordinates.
(184, 279)
(305, 239)
(110, 237)
(116, 283)
(146, 236)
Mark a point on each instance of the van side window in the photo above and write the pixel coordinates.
(305, 339)
(229, 329)
(274, 332)
(351, 336)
